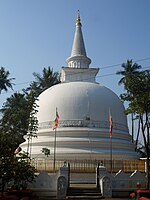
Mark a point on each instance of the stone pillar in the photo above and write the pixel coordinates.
(100, 172)
(106, 187)
(97, 176)
(61, 187)
(65, 171)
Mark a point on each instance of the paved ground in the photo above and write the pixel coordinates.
(116, 199)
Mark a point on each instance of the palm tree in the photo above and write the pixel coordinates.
(19, 119)
(48, 78)
(5, 83)
(15, 116)
(44, 81)
(129, 69)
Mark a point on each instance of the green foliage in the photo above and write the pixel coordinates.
(137, 86)
(6, 159)
(24, 172)
(32, 121)
(44, 81)
(129, 69)
(18, 119)
(5, 82)
(138, 93)
(16, 169)
(46, 151)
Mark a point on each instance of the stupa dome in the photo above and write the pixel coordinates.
(81, 101)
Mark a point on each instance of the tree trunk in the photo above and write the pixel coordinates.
(138, 133)
(132, 127)
(148, 152)
(146, 144)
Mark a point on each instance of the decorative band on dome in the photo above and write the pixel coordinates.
(83, 123)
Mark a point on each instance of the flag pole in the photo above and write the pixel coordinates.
(111, 129)
(111, 154)
(55, 127)
(54, 150)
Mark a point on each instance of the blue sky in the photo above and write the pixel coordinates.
(39, 33)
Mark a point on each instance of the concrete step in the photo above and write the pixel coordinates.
(84, 197)
(83, 192)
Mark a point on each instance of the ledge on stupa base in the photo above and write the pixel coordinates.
(89, 166)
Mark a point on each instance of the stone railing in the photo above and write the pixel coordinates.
(120, 184)
(52, 185)
(89, 166)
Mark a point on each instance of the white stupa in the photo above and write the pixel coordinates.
(83, 106)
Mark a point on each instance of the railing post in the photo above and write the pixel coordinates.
(97, 177)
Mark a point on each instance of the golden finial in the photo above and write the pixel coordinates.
(78, 22)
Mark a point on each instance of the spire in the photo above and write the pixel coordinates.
(78, 63)
(78, 57)
(78, 22)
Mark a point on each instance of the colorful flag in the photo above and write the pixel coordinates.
(56, 120)
(110, 124)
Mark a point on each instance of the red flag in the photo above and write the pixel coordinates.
(111, 125)
(56, 120)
